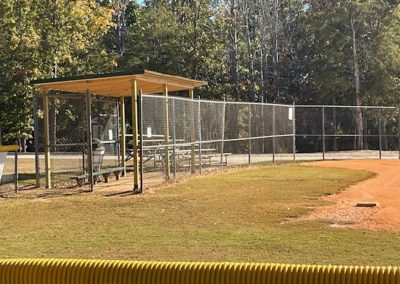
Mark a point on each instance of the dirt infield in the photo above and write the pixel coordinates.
(383, 188)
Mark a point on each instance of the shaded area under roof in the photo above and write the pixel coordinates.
(119, 84)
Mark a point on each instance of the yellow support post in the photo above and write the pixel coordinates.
(46, 140)
(166, 132)
(123, 133)
(193, 135)
(134, 93)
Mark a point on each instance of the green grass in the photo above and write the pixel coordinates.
(236, 216)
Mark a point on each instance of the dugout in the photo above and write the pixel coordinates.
(72, 112)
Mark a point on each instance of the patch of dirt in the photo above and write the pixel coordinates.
(383, 188)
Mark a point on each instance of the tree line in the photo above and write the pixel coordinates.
(303, 51)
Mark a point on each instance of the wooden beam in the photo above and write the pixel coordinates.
(36, 136)
(123, 132)
(116, 90)
(193, 134)
(46, 140)
(171, 81)
(134, 94)
(166, 133)
(89, 139)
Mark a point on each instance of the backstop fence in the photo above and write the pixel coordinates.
(181, 136)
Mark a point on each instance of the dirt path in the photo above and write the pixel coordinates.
(384, 189)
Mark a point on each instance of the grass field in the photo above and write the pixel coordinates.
(243, 215)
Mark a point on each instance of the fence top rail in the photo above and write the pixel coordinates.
(344, 106)
(216, 102)
(269, 104)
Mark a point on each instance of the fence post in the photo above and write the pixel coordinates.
(166, 133)
(140, 126)
(193, 134)
(199, 132)
(398, 128)
(46, 139)
(380, 133)
(89, 138)
(334, 143)
(173, 139)
(118, 142)
(36, 139)
(84, 137)
(323, 133)
(223, 132)
(135, 134)
(294, 130)
(250, 116)
(123, 133)
(263, 126)
(16, 171)
(273, 134)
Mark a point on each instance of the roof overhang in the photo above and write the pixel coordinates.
(119, 84)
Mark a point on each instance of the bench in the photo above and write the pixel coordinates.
(207, 160)
(117, 171)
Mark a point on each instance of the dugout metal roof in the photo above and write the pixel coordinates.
(118, 84)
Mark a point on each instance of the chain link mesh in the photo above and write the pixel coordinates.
(347, 131)
(200, 135)
(68, 136)
(205, 134)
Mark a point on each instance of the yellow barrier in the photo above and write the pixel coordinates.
(9, 148)
(40, 271)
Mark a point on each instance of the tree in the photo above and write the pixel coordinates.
(342, 39)
(43, 38)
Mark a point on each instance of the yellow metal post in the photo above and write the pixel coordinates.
(166, 132)
(193, 135)
(123, 133)
(134, 92)
(46, 140)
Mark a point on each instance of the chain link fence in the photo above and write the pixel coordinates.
(67, 139)
(182, 136)
(68, 136)
(347, 132)
(202, 135)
